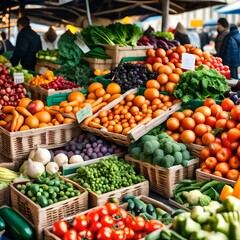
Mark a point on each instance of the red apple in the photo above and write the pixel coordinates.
(223, 154)
(35, 106)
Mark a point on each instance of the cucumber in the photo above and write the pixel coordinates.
(154, 235)
(150, 208)
(2, 224)
(131, 204)
(139, 205)
(16, 225)
(126, 197)
(177, 212)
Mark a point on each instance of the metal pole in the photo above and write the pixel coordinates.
(165, 13)
(88, 13)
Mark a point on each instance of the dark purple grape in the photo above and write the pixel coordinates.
(110, 150)
(77, 152)
(73, 147)
(88, 145)
(100, 145)
(104, 150)
(94, 145)
(94, 155)
(113, 146)
(84, 150)
(99, 155)
(69, 154)
(89, 151)
(99, 141)
(67, 147)
(96, 149)
(82, 155)
(86, 157)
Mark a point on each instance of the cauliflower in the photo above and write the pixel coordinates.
(192, 196)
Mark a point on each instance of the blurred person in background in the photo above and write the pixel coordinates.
(49, 39)
(204, 37)
(230, 50)
(180, 34)
(222, 28)
(27, 45)
(194, 37)
(5, 44)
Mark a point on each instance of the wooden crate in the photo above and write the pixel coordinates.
(195, 149)
(40, 64)
(17, 145)
(5, 196)
(44, 217)
(203, 176)
(117, 53)
(162, 180)
(48, 235)
(102, 64)
(178, 205)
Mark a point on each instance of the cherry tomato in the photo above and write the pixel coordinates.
(71, 234)
(129, 233)
(105, 233)
(152, 225)
(102, 211)
(80, 222)
(107, 221)
(121, 215)
(118, 235)
(85, 234)
(112, 208)
(138, 223)
(60, 228)
(95, 226)
(93, 215)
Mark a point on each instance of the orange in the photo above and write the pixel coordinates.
(139, 101)
(100, 92)
(188, 123)
(93, 86)
(153, 84)
(41, 125)
(43, 117)
(156, 66)
(24, 102)
(188, 136)
(162, 78)
(160, 52)
(92, 96)
(151, 93)
(181, 49)
(171, 65)
(169, 87)
(179, 115)
(173, 77)
(177, 70)
(165, 69)
(113, 88)
(76, 96)
(172, 123)
(24, 128)
(32, 122)
(117, 128)
(149, 66)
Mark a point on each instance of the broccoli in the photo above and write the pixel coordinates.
(176, 147)
(145, 158)
(182, 146)
(157, 160)
(135, 152)
(150, 147)
(147, 137)
(186, 155)
(185, 163)
(159, 152)
(163, 135)
(168, 148)
(204, 200)
(178, 158)
(192, 196)
(167, 161)
(141, 156)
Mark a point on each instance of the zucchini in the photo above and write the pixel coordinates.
(131, 204)
(16, 225)
(126, 197)
(177, 212)
(2, 224)
(139, 205)
(150, 208)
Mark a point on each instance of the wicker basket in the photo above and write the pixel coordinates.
(17, 145)
(162, 180)
(45, 64)
(102, 64)
(203, 176)
(48, 235)
(195, 149)
(178, 205)
(5, 196)
(44, 217)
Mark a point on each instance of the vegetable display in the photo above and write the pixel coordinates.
(109, 174)
(160, 150)
(48, 55)
(47, 190)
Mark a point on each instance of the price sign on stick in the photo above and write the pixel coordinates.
(84, 113)
(188, 61)
(81, 44)
(18, 77)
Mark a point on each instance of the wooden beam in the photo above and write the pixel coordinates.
(165, 13)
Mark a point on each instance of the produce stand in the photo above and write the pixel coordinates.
(46, 65)
(102, 64)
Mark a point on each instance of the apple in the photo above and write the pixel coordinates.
(35, 106)
(223, 154)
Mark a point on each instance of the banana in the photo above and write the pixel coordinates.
(7, 175)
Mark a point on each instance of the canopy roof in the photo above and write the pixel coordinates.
(233, 8)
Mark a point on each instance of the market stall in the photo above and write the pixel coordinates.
(147, 148)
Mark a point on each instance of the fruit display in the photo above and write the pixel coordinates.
(109, 174)
(3, 59)
(132, 111)
(89, 146)
(27, 76)
(48, 190)
(48, 55)
(10, 92)
(160, 150)
(130, 75)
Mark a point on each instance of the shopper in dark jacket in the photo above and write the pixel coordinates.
(27, 45)
(230, 50)
(180, 34)
(6, 45)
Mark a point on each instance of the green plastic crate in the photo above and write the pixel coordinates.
(193, 104)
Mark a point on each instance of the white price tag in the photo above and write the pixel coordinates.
(81, 44)
(18, 77)
(84, 113)
(42, 70)
(188, 61)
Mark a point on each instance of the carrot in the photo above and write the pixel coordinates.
(74, 103)
(7, 109)
(89, 101)
(145, 120)
(15, 113)
(98, 107)
(87, 120)
(113, 97)
(3, 123)
(50, 110)
(94, 125)
(59, 117)
(68, 120)
(126, 130)
(99, 100)
(14, 123)
(23, 111)
(20, 121)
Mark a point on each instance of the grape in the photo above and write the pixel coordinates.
(99, 141)
(94, 155)
(67, 147)
(89, 151)
(86, 158)
(113, 146)
(104, 150)
(100, 155)
(110, 150)
(77, 152)
(118, 150)
(88, 145)
(96, 149)
(69, 154)
(94, 145)
(84, 150)
(73, 147)
(82, 155)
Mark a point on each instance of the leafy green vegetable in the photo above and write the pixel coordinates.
(97, 52)
(169, 35)
(200, 84)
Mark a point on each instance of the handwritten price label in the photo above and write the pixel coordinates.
(188, 61)
(84, 113)
(18, 77)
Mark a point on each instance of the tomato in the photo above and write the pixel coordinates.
(238, 151)
(118, 235)
(209, 101)
(139, 235)
(112, 208)
(152, 225)
(221, 123)
(105, 233)
(103, 211)
(157, 59)
(150, 52)
(129, 233)
(211, 120)
(71, 234)
(214, 147)
(211, 162)
(138, 223)
(60, 228)
(235, 112)
(222, 167)
(223, 154)
(222, 115)
(208, 138)
(231, 123)
(85, 235)
(227, 104)
(233, 134)
(107, 221)
(123, 213)
(205, 153)
(80, 222)
(228, 144)
(206, 170)
(232, 174)
(95, 226)
(217, 173)
(94, 215)
(234, 162)
(120, 224)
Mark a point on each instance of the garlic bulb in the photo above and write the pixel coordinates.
(35, 169)
(42, 155)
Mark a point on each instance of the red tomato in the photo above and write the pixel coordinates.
(234, 162)
(107, 221)
(214, 147)
(103, 211)
(120, 224)
(139, 235)
(152, 225)
(227, 104)
(112, 208)
(85, 234)
(209, 101)
(60, 228)
(80, 222)
(71, 234)
(174, 55)
(105, 233)
(129, 233)
(211, 120)
(138, 223)
(94, 215)
(233, 134)
(238, 151)
(211, 162)
(235, 112)
(231, 145)
(95, 226)
(223, 154)
(157, 59)
(118, 235)
(123, 213)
